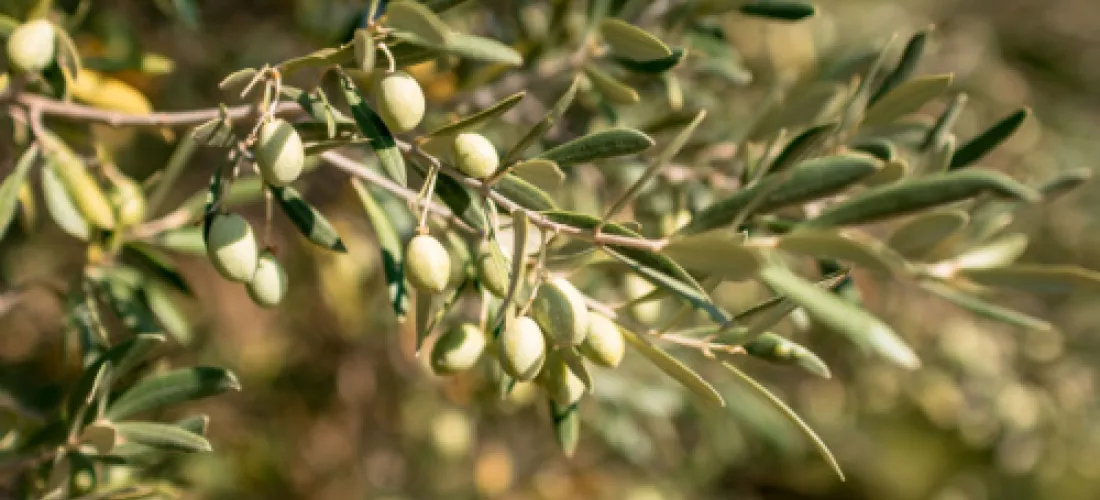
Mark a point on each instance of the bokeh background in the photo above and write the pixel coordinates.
(335, 405)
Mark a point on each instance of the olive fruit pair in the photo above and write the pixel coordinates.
(231, 247)
(31, 46)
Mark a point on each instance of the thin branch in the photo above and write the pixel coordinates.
(78, 112)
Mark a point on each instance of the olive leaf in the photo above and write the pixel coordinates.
(1064, 182)
(919, 194)
(166, 311)
(841, 316)
(9, 190)
(653, 66)
(172, 388)
(520, 226)
(775, 349)
(382, 141)
(941, 129)
(525, 194)
(791, 416)
(697, 253)
(982, 308)
(997, 253)
(599, 145)
(632, 42)
(417, 19)
(907, 98)
(978, 147)
(123, 289)
(308, 219)
(237, 80)
(479, 119)
(187, 240)
(803, 145)
(318, 59)
(809, 180)
(878, 147)
(922, 234)
(567, 426)
(542, 173)
(673, 368)
(781, 10)
(61, 207)
(164, 436)
(811, 106)
(910, 56)
(389, 243)
(121, 358)
(1037, 278)
(146, 259)
(857, 248)
(539, 129)
(365, 51)
(482, 49)
(140, 454)
(610, 87)
(462, 201)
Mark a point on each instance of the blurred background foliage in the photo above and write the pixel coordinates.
(336, 406)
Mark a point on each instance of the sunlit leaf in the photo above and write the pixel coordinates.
(165, 436)
(172, 388)
(308, 219)
(599, 145)
(673, 368)
(978, 147)
(393, 254)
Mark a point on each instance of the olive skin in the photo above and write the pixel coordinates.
(269, 284)
(604, 344)
(475, 156)
(522, 349)
(458, 349)
(279, 153)
(427, 264)
(31, 46)
(400, 101)
(231, 247)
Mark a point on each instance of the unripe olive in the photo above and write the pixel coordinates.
(427, 264)
(560, 311)
(269, 284)
(231, 247)
(31, 46)
(475, 156)
(492, 268)
(279, 152)
(604, 343)
(522, 349)
(129, 200)
(458, 349)
(400, 101)
(563, 385)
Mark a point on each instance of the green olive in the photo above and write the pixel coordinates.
(269, 284)
(604, 343)
(427, 264)
(231, 246)
(31, 46)
(458, 349)
(279, 153)
(562, 384)
(400, 101)
(475, 156)
(560, 311)
(522, 349)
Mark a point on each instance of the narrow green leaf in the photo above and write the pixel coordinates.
(382, 141)
(479, 119)
(164, 436)
(308, 219)
(906, 98)
(919, 194)
(780, 10)
(791, 416)
(393, 254)
(914, 49)
(997, 253)
(856, 248)
(567, 426)
(217, 133)
(803, 146)
(187, 240)
(878, 147)
(600, 145)
(818, 103)
(417, 19)
(985, 309)
(698, 253)
(542, 173)
(610, 87)
(462, 201)
(524, 194)
(68, 57)
(944, 123)
(1065, 182)
(9, 190)
(365, 50)
(520, 227)
(918, 237)
(979, 146)
(539, 129)
(653, 66)
(482, 49)
(172, 388)
(167, 312)
(61, 207)
(809, 180)
(1037, 278)
(122, 286)
(939, 159)
(891, 172)
(122, 358)
(632, 42)
(775, 349)
(841, 316)
(673, 368)
(146, 259)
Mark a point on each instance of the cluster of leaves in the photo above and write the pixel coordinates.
(831, 176)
